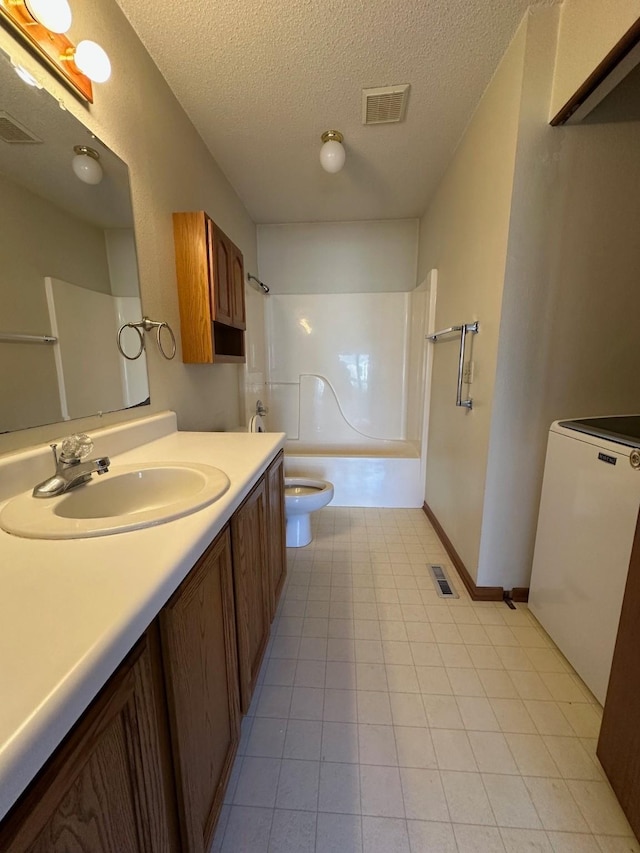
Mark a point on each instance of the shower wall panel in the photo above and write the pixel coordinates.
(355, 344)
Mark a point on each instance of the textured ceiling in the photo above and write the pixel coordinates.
(262, 80)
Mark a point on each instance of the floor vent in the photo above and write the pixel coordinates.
(11, 130)
(444, 587)
(384, 105)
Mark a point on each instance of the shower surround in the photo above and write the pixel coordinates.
(340, 373)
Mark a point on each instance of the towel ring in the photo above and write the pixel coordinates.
(147, 325)
(119, 341)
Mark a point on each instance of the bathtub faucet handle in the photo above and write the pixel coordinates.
(261, 409)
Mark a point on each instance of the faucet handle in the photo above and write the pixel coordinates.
(54, 450)
(75, 447)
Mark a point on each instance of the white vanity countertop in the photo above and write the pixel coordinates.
(70, 610)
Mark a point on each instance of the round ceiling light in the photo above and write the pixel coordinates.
(93, 61)
(55, 15)
(332, 154)
(86, 164)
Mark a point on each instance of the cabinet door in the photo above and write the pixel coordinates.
(277, 548)
(222, 257)
(237, 290)
(106, 789)
(619, 743)
(201, 671)
(251, 583)
(194, 258)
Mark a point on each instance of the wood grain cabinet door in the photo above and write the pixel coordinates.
(194, 256)
(251, 583)
(107, 788)
(221, 253)
(237, 290)
(201, 673)
(277, 535)
(619, 743)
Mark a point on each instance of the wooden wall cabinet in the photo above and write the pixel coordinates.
(107, 789)
(210, 276)
(198, 630)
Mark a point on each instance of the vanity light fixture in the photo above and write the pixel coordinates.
(86, 164)
(92, 60)
(332, 154)
(42, 25)
(53, 15)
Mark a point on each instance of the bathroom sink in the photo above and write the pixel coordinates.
(127, 498)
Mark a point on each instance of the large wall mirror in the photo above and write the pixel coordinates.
(68, 268)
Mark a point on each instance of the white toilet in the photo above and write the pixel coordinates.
(303, 496)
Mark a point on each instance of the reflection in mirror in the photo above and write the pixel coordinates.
(68, 268)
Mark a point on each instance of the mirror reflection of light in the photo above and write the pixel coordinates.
(304, 323)
(24, 75)
(357, 365)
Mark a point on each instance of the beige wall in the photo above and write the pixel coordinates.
(575, 353)
(519, 419)
(339, 257)
(137, 116)
(556, 312)
(567, 348)
(464, 236)
(588, 30)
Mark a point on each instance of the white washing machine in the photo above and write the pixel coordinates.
(588, 513)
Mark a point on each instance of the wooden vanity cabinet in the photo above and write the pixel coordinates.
(198, 630)
(210, 276)
(249, 539)
(107, 788)
(277, 531)
(145, 769)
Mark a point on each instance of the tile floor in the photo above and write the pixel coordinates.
(388, 720)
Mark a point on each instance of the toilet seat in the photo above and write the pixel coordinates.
(256, 424)
(304, 494)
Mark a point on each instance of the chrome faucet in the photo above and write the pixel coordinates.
(72, 467)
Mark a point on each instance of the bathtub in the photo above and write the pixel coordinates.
(381, 474)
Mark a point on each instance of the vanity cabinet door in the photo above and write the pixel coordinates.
(249, 537)
(199, 651)
(107, 788)
(277, 535)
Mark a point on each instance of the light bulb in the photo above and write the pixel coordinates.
(86, 166)
(55, 15)
(332, 154)
(93, 61)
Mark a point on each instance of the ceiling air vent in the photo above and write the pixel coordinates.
(384, 105)
(11, 130)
